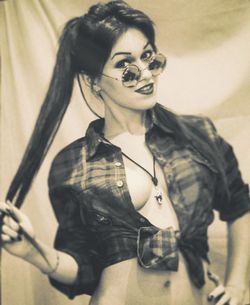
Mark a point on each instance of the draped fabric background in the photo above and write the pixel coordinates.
(208, 47)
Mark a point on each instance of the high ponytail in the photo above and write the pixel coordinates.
(85, 46)
(50, 116)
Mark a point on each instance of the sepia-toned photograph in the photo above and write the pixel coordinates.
(124, 152)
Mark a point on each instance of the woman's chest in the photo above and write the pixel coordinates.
(185, 178)
(145, 194)
(181, 173)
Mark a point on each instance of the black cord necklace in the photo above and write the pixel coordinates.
(158, 195)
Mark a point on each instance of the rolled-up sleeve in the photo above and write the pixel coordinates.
(239, 201)
(72, 238)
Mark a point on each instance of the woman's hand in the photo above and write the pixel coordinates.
(12, 238)
(226, 295)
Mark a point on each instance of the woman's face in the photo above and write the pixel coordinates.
(131, 48)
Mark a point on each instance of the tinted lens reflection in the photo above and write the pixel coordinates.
(132, 73)
(158, 64)
(131, 76)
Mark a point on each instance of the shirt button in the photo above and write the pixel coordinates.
(177, 234)
(119, 183)
(118, 164)
(142, 220)
(167, 284)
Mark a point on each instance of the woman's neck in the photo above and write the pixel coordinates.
(127, 120)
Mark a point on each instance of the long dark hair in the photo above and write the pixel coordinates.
(85, 46)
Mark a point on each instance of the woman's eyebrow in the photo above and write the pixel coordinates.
(128, 53)
(121, 53)
(148, 43)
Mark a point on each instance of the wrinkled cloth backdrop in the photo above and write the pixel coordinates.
(208, 48)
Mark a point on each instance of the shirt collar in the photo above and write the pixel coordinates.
(157, 116)
(160, 117)
(94, 137)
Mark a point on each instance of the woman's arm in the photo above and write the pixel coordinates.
(62, 267)
(238, 260)
(58, 265)
(236, 213)
(238, 264)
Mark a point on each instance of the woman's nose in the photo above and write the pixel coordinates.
(145, 71)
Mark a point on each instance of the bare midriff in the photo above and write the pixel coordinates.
(126, 282)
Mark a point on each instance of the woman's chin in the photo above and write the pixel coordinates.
(147, 102)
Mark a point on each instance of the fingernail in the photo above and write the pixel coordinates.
(8, 211)
(210, 298)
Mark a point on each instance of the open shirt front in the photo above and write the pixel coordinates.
(98, 224)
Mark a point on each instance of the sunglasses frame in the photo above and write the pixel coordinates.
(126, 69)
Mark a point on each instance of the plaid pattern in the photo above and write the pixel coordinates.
(157, 249)
(98, 224)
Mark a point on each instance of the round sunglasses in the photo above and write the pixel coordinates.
(132, 73)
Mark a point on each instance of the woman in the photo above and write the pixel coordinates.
(135, 196)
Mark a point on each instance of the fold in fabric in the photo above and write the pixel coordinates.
(157, 249)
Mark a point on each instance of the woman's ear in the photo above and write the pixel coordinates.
(95, 88)
(97, 91)
(87, 80)
(90, 84)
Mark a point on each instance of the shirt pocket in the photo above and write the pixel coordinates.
(204, 163)
(204, 171)
(205, 174)
(195, 180)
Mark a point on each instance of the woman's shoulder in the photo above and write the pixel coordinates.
(67, 161)
(190, 123)
(200, 124)
(70, 151)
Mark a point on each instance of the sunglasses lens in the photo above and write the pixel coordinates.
(130, 76)
(158, 64)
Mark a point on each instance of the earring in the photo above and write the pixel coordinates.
(97, 90)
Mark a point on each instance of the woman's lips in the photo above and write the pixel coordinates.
(147, 89)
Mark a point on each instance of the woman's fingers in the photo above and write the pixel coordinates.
(216, 295)
(226, 295)
(10, 227)
(10, 222)
(15, 212)
(3, 207)
(9, 231)
(219, 290)
(224, 299)
(10, 239)
(6, 238)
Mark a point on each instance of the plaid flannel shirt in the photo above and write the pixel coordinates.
(98, 224)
